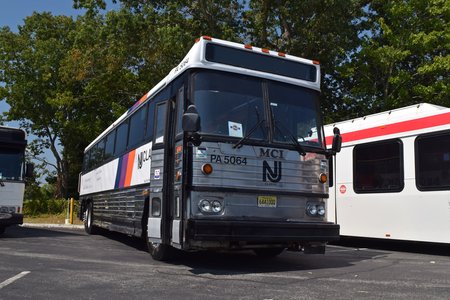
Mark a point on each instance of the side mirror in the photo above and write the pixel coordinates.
(191, 120)
(29, 170)
(337, 141)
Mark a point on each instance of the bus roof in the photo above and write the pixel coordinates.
(13, 135)
(390, 123)
(197, 58)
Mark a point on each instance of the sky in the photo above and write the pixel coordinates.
(13, 13)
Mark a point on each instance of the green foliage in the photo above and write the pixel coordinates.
(32, 208)
(404, 57)
(324, 30)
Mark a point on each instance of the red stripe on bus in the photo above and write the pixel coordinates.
(130, 165)
(410, 125)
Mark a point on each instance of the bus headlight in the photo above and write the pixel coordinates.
(205, 206)
(315, 209)
(216, 206)
(311, 210)
(210, 206)
(320, 210)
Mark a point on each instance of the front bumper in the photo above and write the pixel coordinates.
(7, 219)
(262, 231)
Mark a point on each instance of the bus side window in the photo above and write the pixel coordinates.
(86, 160)
(433, 161)
(121, 139)
(137, 126)
(180, 102)
(97, 155)
(150, 121)
(378, 167)
(160, 122)
(109, 147)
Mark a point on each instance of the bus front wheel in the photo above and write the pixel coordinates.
(159, 251)
(88, 219)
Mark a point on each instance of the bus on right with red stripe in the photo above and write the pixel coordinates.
(391, 179)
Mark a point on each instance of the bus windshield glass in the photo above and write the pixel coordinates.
(295, 115)
(11, 164)
(233, 105)
(229, 105)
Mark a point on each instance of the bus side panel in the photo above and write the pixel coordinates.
(117, 191)
(120, 210)
(407, 215)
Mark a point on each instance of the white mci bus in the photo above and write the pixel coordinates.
(392, 178)
(12, 176)
(226, 152)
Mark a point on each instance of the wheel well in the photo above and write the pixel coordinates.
(84, 203)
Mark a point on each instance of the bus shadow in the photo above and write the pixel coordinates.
(130, 241)
(395, 245)
(246, 262)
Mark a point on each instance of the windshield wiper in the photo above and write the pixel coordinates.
(294, 140)
(249, 133)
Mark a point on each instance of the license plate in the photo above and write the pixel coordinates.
(267, 201)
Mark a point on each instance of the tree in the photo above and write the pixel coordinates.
(30, 64)
(67, 80)
(405, 56)
(324, 30)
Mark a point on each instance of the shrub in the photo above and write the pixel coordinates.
(32, 208)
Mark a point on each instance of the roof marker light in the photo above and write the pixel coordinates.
(281, 54)
(250, 47)
(265, 50)
(316, 62)
(208, 38)
(197, 40)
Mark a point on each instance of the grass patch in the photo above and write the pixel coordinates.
(50, 219)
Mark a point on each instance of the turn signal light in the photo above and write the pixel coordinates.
(207, 169)
(323, 178)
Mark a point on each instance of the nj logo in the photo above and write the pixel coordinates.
(273, 175)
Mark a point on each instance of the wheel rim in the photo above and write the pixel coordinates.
(88, 217)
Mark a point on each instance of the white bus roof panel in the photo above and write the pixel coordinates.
(416, 117)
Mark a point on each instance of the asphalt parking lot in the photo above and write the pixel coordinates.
(51, 263)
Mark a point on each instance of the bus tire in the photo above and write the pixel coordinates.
(88, 220)
(268, 252)
(159, 252)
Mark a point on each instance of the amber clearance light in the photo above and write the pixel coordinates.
(207, 169)
(323, 178)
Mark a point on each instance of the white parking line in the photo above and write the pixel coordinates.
(12, 279)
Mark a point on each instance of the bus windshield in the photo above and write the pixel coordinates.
(295, 115)
(233, 105)
(11, 164)
(229, 104)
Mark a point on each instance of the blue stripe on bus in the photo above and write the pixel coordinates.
(119, 169)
